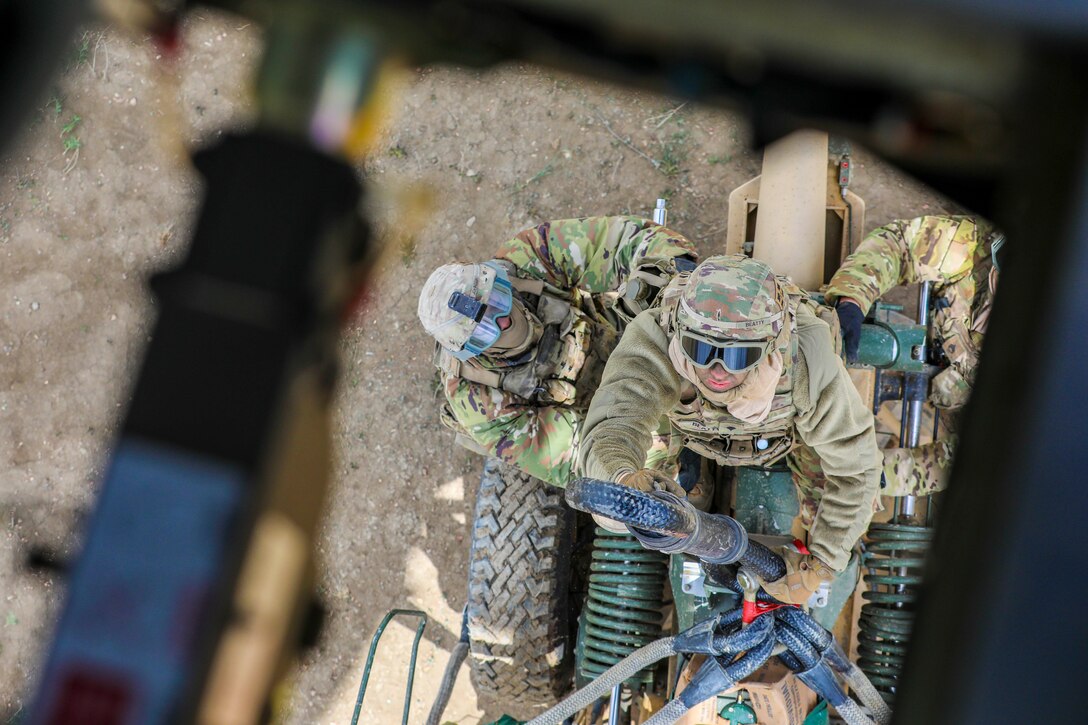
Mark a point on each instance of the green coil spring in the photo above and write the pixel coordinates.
(894, 558)
(623, 604)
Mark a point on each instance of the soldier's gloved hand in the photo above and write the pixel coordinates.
(648, 479)
(644, 480)
(804, 575)
(949, 389)
(850, 318)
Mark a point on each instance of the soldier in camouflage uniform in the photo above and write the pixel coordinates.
(956, 254)
(741, 363)
(522, 338)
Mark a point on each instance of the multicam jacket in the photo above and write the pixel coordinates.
(588, 263)
(952, 252)
(826, 416)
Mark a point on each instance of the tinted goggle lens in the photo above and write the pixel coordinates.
(484, 336)
(499, 303)
(734, 358)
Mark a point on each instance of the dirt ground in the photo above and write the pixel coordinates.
(97, 196)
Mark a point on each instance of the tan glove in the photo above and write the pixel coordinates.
(949, 389)
(648, 479)
(644, 480)
(804, 575)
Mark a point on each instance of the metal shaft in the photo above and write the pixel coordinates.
(614, 706)
(661, 214)
(911, 422)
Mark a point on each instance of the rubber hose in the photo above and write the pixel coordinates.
(627, 505)
(637, 660)
(821, 639)
(768, 565)
(752, 661)
(868, 694)
(744, 639)
(856, 678)
(457, 658)
(796, 643)
(733, 616)
(730, 581)
(734, 673)
(790, 661)
(852, 713)
(807, 626)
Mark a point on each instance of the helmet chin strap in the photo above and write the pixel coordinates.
(524, 331)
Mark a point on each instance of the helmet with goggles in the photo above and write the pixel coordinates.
(731, 312)
(462, 306)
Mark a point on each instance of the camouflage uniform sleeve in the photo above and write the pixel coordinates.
(833, 421)
(904, 252)
(639, 386)
(539, 440)
(595, 254)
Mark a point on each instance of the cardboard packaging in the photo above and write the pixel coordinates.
(772, 691)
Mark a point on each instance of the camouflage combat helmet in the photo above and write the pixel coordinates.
(732, 297)
(458, 303)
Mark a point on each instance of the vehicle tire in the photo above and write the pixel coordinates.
(519, 613)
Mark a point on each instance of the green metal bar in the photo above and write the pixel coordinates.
(766, 500)
(892, 347)
(411, 664)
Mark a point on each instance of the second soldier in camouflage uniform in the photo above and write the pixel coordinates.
(572, 284)
(741, 363)
(955, 254)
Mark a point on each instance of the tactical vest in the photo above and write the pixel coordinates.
(711, 431)
(565, 365)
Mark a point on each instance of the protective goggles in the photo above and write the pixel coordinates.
(486, 314)
(735, 356)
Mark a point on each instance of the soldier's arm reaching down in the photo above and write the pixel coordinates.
(835, 423)
(538, 439)
(937, 249)
(594, 254)
(639, 385)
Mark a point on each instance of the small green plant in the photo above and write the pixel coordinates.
(674, 153)
(398, 152)
(408, 251)
(83, 51)
(548, 169)
(523, 185)
(723, 159)
(70, 127)
(56, 105)
(72, 143)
